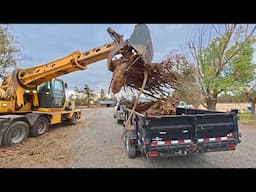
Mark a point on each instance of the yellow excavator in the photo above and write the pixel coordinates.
(32, 99)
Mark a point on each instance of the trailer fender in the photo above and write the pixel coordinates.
(4, 124)
(131, 135)
(32, 118)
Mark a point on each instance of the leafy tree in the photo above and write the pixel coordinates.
(83, 96)
(102, 94)
(8, 50)
(225, 63)
(89, 95)
(188, 90)
(251, 95)
(249, 91)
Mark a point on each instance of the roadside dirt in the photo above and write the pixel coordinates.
(40, 152)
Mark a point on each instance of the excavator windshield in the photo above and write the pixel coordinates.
(51, 94)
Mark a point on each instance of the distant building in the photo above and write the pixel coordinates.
(106, 103)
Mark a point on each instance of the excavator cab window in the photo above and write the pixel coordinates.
(52, 94)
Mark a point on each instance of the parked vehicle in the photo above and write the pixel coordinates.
(183, 104)
(119, 111)
(189, 131)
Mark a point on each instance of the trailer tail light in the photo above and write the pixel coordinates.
(231, 147)
(153, 154)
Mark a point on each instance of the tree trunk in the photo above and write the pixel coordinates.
(211, 104)
(253, 115)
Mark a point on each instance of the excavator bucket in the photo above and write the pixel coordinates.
(141, 41)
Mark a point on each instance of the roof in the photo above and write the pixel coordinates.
(105, 102)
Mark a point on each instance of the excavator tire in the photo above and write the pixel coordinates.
(40, 127)
(16, 133)
(73, 119)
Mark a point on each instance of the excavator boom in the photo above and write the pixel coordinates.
(35, 76)
(140, 41)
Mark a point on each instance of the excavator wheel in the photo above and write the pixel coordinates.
(16, 133)
(73, 119)
(40, 127)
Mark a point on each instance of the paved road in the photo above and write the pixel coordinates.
(97, 144)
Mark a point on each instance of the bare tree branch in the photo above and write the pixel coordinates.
(215, 29)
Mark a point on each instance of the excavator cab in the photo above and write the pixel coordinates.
(51, 94)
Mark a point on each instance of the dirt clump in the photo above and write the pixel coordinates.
(156, 108)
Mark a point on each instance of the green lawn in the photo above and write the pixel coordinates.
(246, 118)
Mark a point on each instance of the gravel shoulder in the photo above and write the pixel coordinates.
(95, 142)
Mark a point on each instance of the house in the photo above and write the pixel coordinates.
(106, 103)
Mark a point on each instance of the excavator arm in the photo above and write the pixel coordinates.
(35, 76)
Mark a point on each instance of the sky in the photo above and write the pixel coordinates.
(42, 43)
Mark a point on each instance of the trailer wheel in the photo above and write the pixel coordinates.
(16, 133)
(131, 149)
(73, 119)
(40, 127)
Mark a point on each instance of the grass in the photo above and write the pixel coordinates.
(246, 118)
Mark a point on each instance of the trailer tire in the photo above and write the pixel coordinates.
(40, 127)
(73, 119)
(131, 149)
(16, 133)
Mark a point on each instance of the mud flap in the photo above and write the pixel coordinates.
(4, 124)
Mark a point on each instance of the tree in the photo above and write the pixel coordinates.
(102, 94)
(188, 89)
(251, 95)
(225, 63)
(83, 96)
(8, 50)
(249, 91)
(89, 95)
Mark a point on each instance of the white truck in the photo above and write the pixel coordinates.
(119, 111)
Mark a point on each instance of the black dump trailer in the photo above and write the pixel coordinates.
(189, 131)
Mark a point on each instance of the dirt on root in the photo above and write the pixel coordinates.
(160, 107)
